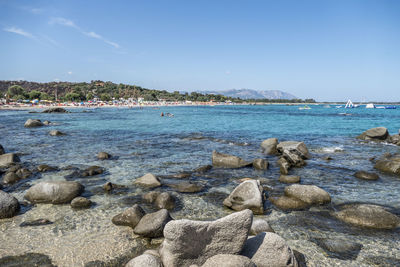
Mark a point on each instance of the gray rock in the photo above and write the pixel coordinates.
(388, 163)
(148, 180)
(228, 260)
(92, 170)
(366, 175)
(10, 178)
(203, 169)
(378, 133)
(259, 225)
(186, 187)
(56, 133)
(269, 146)
(103, 155)
(310, 194)
(260, 164)
(151, 196)
(165, 201)
(181, 175)
(193, 242)
(394, 139)
(298, 148)
(38, 222)
(247, 195)
(2, 151)
(45, 168)
(145, 260)
(55, 192)
(269, 250)
(46, 123)
(129, 217)
(339, 248)
(288, 203)
(9, 205)
(23, 173)
(81, 203)
(9, 158)
(367, 215)
(284, 165)
(228, 161)
(289, 179)
(33, 123)
(55, 110)
(152, 224)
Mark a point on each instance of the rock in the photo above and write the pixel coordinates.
(269, 250)
(288, 203)
(11, 178)
(33, 123)
(108, 186)
(55, 192)
(368, 215)
(310, 194)
(289, 179)
(149, 180)
(203, 169)
(46, 123)
(190, 242)
(129, 217)
(165, 201)
(298, 148)
(260, 164)
(152, 224)
(2, 151)
(228, 260)
(387, 163)
(328, 158)
(186, 187)
(9, 158)
(151, 196)
(23, 173)
(378, 133)
(145, 260)
(38, 222)
(394, 139)
(56, 133)
(45, 168)
(339, 248)
(259, 226)
(284, 165)
(92, 170)
(228, 161)
(366, 175)
(247, 195)
(103, 156)
(9, 205)
(181, 175)
(81, 203)
(55, 110)
(269, 146)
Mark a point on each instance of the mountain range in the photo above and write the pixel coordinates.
(253, 94)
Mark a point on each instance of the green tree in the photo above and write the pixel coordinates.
(72, 97)
(105, 97)
(44, 96)
(15, 90)
(34, 94)
(89, 96)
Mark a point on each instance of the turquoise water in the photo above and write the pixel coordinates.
(142, 141)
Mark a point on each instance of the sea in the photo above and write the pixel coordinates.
(141, 141)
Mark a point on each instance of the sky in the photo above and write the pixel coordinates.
(329, 50)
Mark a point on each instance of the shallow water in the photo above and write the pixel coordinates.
(143, 142)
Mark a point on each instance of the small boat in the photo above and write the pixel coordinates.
(338, 106)
(390, 107)
(304, 108)
(370, 105)
(349, 104)
(380, 107)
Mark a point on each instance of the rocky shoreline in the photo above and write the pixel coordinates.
(157, 239)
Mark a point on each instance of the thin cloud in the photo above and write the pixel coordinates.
(91, 34)
(19, 31)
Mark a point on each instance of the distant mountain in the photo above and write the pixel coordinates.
(253, 94)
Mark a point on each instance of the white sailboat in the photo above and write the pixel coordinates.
(349, 104)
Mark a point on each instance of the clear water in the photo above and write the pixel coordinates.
(145, 142)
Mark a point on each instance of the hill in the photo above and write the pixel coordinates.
(254, 94)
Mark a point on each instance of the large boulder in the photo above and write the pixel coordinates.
(2, 151)
(190, 242)
(55, 110)
(228, 161)
(247, 195)
(288, 203)
(378, 133)
(310, 194)
(148, 180)
(9, 205)
(33, 123)
(152, 224)
(366, 175)
(145, 260)
(129, 217)
(367, 215)
(8, 158)
(55, 192)
(388, 163)
(269, 250)
(269, 146)
(260, 164)
(228, 260)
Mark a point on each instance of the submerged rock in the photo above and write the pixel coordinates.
(389, 163)
(38, 222)
(289, 179)
(288, 203)
(81, 203)
(55, 192)
(55, 110)
(339, 248)
(45, 168)
(203, 169)
(259, 225)
(9, 158)
(149, 180)
(228, 260)
(368, 215)
(260, 164)
(28, 259)
(33, 123)
(269, 250)
(152, 224)
(103, 155)
(56, 133)
(92, 170)
(247, 195)
(9, 205)
(310, 194)
(129, 217)
(378, 133)
(190, 242)
(186, 187)
(228, 161)
(366, 175)
(147, 260)
(269, 146)
(165, 201)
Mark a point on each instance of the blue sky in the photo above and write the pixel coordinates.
(327, 50)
